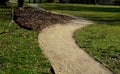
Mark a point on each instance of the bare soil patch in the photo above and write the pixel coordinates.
(30, 18)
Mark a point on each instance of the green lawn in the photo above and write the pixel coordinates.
(102, 39)
(19, 49)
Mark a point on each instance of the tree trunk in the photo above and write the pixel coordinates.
(50, 1)
(34, 1)
(29, 1)
(20, 3)
(40, 1)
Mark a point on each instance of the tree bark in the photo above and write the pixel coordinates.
(40, 1)
(20, 3)
(34, 1)
(29, 1)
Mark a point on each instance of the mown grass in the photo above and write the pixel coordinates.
(92, 12)
(80, 7)
(19, 49)
(102, 39)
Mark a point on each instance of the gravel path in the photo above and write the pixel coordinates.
(66, 57)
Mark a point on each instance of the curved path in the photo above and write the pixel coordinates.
(66, 57)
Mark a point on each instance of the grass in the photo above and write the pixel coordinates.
(102, 39)
(19, 49)
(79, 7)
(92, 12)
(101, 42)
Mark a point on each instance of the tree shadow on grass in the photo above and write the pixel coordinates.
(106, 20)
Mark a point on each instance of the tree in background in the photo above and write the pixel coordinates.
(34, 1)
(29, 1)
(3, 2)
(64, 1)
(116, 2)
(20, 3)
(78, 1)
(40, 1)
(50, 1)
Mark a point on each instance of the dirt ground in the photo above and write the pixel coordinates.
(35, 18)
(66, 57)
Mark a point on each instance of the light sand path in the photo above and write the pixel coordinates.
(66, 57)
